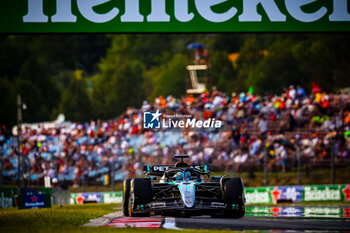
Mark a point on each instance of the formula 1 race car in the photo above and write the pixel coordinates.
(183, 190)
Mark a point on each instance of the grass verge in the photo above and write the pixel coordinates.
(67, 219)
(70, 218)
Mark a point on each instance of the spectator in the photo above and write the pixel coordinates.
(70, 150)
(262, 125)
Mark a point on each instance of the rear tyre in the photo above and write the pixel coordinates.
(126, 195)
(234, 197)
(140, 194)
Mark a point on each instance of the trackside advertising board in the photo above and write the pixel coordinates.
(7, 199)
(268, 195)
(33, 198)
(306, 193)
(299, 211)
(72, 16)
(96, 197)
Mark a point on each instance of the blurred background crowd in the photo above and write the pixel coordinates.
(314, 124)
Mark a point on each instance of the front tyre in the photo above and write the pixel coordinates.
(234, 198)
(140, 194)
(126, 195)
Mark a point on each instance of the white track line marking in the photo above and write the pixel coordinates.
(169, 223)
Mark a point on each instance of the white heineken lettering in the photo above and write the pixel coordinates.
(64, 12)
(31, 204)
(250, 13)
(181, 11)
(257, 197)
(294, 9)
(260, 210)
(321, 195)
(112, 198)
(324, 211)
(132, 12)
(340, 11)
(86, 9)
(158, 13)
(5, 202)
(204, 9)
(35, 12)
(214, 11)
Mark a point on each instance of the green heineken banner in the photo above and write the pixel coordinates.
(61, 16)
(307, 193)
(98, 197)
(7, 197)
(268, 195)
(299, 211)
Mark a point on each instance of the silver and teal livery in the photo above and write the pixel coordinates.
(185, 190)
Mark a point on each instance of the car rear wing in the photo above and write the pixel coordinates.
(158, 170)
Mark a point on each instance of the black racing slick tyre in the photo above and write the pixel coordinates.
(140, 194)
(126, 195)
(234, 197)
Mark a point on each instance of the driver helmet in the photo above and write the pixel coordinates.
(179, 176)
(187, 174)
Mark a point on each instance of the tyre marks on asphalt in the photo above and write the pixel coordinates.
(264, 223)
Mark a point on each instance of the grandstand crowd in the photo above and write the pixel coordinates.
(315, 124)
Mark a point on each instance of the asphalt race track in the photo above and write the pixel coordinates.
(250, 222)
(263, 223)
